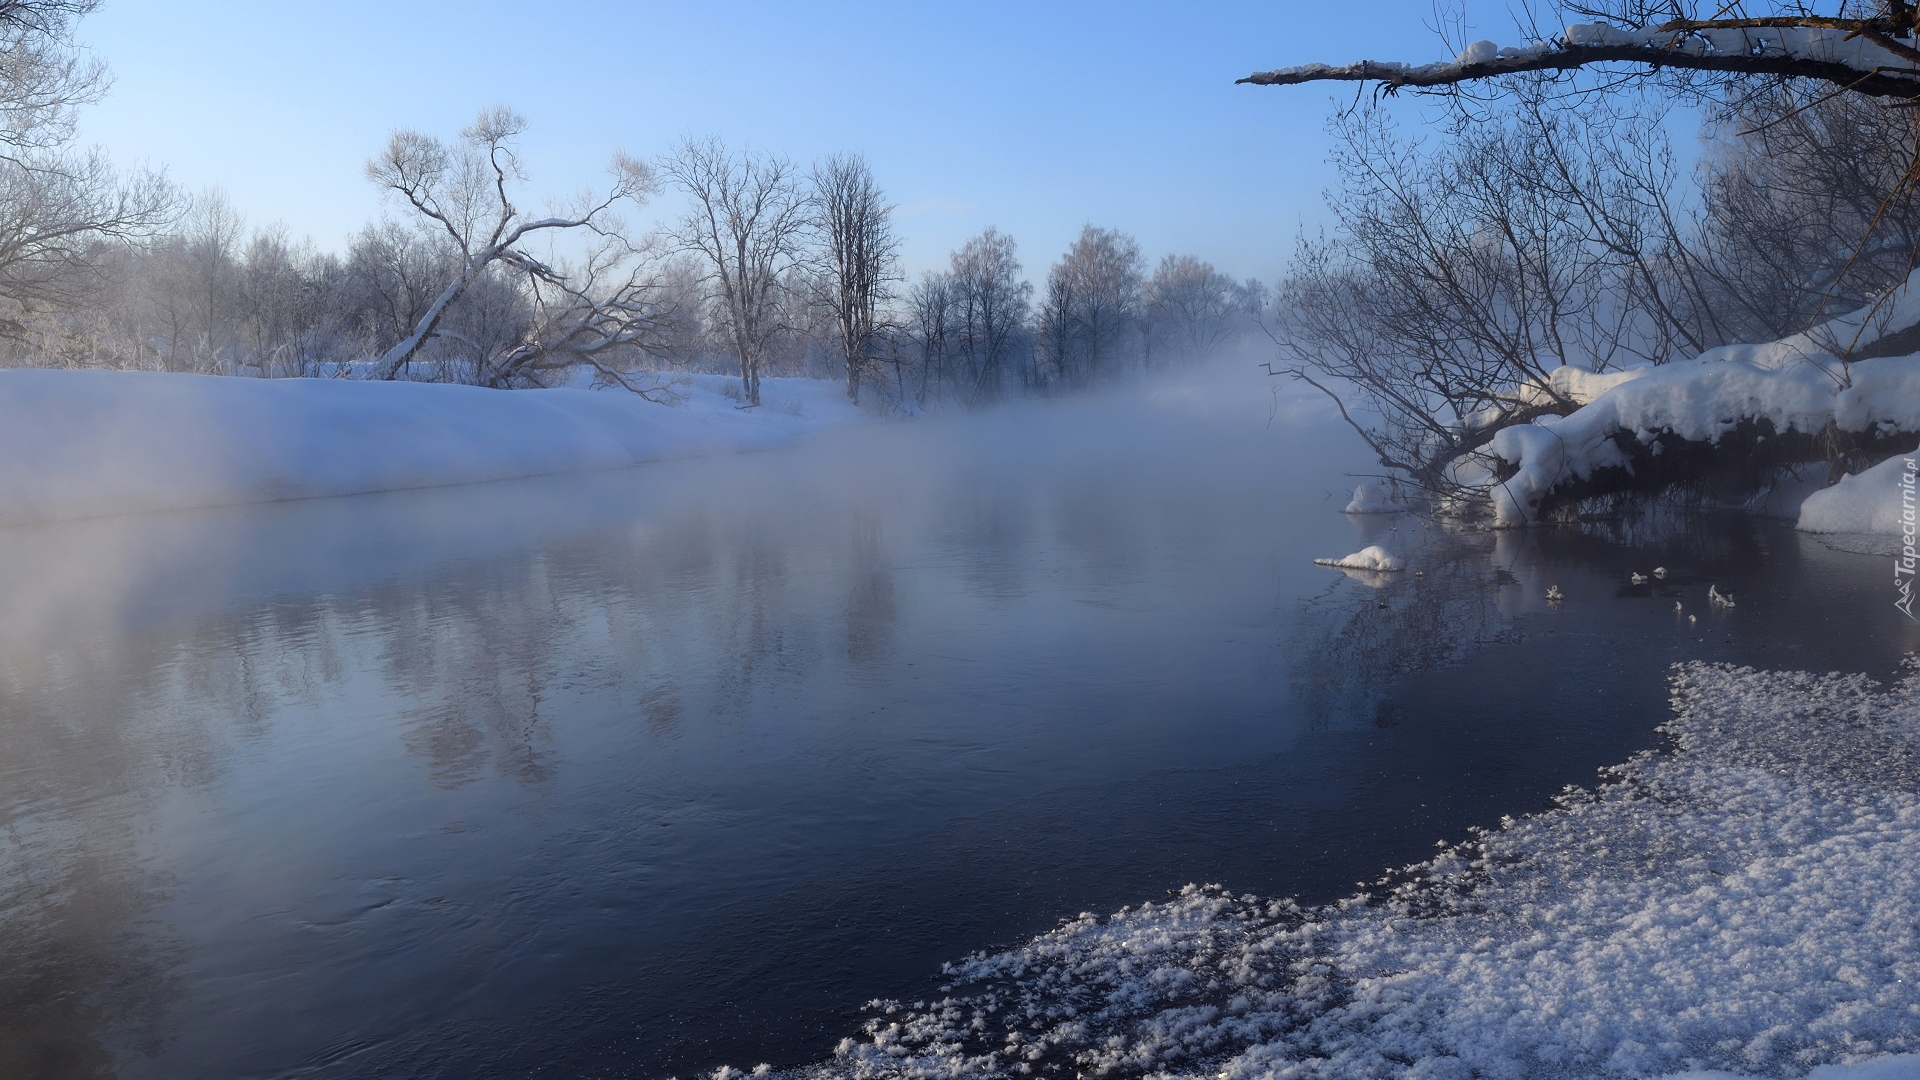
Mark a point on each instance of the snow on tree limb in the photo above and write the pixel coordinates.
(1863, 55)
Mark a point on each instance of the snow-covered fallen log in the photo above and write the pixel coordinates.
(1699, 401)
(87, 443)
(1775, 400)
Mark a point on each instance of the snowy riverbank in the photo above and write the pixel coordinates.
(79, 444)
(1742, 904)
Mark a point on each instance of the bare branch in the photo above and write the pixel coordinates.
(1861, 54)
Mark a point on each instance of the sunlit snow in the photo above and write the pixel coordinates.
(1744, 902)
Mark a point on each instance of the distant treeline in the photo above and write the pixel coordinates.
(772, 269)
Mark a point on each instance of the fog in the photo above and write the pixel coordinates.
(264, 757)
(648, 770)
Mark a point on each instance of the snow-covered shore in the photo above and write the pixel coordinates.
(1743, 904)
(1867, 502)
(79, 444)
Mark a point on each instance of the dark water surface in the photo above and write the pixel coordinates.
(642, 773)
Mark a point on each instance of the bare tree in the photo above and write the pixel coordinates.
(46, 77)
(1809, 209)
(465, 192)
(990, 306)
(1092, 306)
(746, 222)
(609, 314)
(57, 205)
(855, 226)
(1462, 277)
(393, 274)
(930, 305)
(1192, 309)
(292, 320)
(210, 244)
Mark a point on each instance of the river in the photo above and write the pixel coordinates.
(639, 773)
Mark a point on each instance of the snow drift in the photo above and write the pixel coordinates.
(1744, 903)
(86, 443)
(1868, 502)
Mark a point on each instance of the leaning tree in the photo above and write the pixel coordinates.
(464, 192)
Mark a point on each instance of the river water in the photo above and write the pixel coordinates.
(640, 773)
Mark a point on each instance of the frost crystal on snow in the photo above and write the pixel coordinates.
(1745, 903)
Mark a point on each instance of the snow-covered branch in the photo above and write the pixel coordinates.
(1877, 57)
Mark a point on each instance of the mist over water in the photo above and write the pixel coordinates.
(643, 772)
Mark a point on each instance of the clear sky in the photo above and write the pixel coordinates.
(1037, 117)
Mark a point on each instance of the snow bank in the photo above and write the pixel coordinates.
(85, 443)
(1745, 904)
(1372, 557)
(1869, 502)
(1701, 400)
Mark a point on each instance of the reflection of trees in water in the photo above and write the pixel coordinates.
(871, 611)
(1362, 633)
(1099, 522)
(97, 735)
(82, 975)
(990, 527)
(673, 622)
(476, 656)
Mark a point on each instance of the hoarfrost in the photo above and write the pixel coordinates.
(1745, 902)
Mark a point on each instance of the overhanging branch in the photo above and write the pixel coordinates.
(1863, 55)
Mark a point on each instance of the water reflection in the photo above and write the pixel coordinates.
(871, 610)
(612, 775)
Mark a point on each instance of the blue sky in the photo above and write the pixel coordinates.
(1036, 117)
